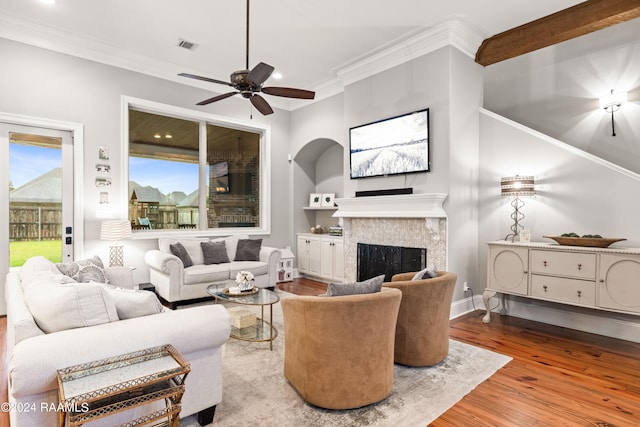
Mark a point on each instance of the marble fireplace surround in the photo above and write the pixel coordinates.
(413, 220)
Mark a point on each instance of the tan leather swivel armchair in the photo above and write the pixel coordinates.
(422, 331)
(339, 350)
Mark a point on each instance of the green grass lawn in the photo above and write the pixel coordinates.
(19, 252)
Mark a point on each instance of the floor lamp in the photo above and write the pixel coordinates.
(115, 230)
(516, 187)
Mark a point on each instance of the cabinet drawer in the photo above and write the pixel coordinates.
(570, 264)
(579, 292)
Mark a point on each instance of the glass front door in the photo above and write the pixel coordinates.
(37, 194)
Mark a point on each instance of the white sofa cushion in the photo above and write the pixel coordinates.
(206, 273)
(191, 245)
(258, 268)
(132, 303)
(232, 244)
(56, 307)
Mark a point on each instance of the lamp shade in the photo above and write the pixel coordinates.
(517, 186)
(115, 229)
(613, 100)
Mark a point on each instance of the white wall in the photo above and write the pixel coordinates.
(577, 192)
(421, 83)
(45, 84)
(555, 90)
(449, 83)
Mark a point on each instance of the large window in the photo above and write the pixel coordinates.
(189, 171)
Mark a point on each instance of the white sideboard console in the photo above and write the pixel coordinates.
(603, 279)
(321, 256)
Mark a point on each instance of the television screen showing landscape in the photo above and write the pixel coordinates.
(391, 146)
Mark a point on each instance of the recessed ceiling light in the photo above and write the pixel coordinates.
(168, 136)
(276, 75)
(157, 136)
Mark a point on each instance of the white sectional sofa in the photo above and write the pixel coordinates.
(38, 296)
(176, 283)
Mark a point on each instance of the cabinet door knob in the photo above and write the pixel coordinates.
(601, 280)
(525, 272)
(579, 266)
(544, 263)
(544, 287)
(579, 294)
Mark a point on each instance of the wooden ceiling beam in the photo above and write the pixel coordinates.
(576, 21)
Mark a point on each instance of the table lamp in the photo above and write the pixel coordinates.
(115, 230)
(516, 187)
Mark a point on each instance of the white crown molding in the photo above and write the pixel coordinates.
(454, 32)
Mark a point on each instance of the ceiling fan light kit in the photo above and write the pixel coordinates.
(248, 83)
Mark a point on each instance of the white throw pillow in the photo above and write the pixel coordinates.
(57, 307)
(231, 244)
(34, 265)
(45, 278)
(132, 303)
(191, 245)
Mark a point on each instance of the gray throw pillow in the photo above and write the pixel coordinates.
(84, 270)
(214, 252)
(368, 286)
(427, 273)
(248, 250)
(178, 250)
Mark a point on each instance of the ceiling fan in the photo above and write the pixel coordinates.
(248, 83)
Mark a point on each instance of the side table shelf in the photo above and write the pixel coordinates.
(97, 389)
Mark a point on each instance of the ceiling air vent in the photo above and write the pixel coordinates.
(187, 44)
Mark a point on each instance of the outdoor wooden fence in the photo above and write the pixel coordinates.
(35, 223)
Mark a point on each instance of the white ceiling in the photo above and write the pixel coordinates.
(309, 41)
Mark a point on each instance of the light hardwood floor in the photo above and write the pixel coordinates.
(558, 376)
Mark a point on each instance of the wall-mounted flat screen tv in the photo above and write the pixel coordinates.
(396, 145)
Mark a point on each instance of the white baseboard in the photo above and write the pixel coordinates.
(614, 325)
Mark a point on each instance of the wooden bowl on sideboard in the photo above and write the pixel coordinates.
(592, 242)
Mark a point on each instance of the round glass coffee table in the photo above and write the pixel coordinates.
(262, 330)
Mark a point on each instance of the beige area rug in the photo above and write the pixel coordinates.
(256, 393)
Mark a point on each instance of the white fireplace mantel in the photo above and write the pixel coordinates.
(396, 206)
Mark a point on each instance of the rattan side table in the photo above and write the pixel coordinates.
(97, 389)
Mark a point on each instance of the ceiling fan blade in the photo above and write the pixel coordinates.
(260, 73)
(261, 105)
(289, 92)
(206, 79)
(217, 98)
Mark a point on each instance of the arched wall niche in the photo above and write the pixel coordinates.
(318, 167)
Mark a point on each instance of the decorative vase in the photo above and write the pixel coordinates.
(245, 285)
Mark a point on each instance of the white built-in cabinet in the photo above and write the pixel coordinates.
(600, 278)
(321, 256)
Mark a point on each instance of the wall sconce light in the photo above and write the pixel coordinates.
(516, 187)
(115, 230)
(611, 103)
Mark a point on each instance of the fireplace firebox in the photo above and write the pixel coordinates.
(374, 260)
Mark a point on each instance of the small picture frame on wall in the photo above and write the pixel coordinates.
(104, 197)
(103, 168)
(103, 182)
(328, 199)
(525, 235)
(103, 153)
(315, 200)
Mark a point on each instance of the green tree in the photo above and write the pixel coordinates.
(11, 187)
